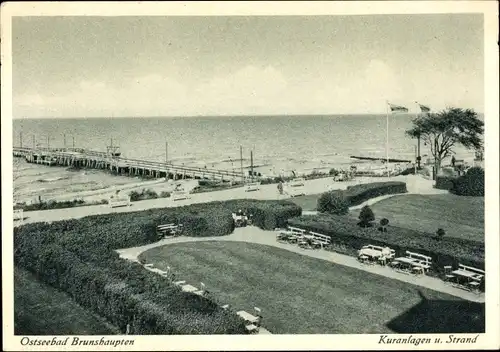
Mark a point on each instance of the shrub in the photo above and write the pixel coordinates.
(445, 182)
(144, 194)
(440, 233)
(344, 231)
(333, 202)
(333, 172)
(366, 216)
(383, 224)
(470, 184)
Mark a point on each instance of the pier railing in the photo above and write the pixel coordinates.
(79, 153)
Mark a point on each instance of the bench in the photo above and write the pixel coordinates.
(169, 229)
(253, 186)
(295, 187)
(420, 261)
(119, 202)
(474, 276)
(180, 194)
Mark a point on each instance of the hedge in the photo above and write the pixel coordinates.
(358, 194)
(266, 214)
(78, 256)
(470, 184)
(345, 231)
(445, 182)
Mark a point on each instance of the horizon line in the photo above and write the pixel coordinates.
(226, 115)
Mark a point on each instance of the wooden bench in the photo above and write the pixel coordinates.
(295, 187)
(253, 186)
(180, 194)
(169, 229)
(119, 202)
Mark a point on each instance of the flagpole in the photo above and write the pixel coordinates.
(387, 141)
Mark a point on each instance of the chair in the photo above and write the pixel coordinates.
(363, 259)
(448, 276)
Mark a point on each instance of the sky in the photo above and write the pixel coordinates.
(244, 65)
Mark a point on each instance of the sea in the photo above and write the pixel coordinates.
(278, 144)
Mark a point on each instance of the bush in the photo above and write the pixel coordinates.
(333, 172)
(383, 224)
(333, 202)
(445, 182)
(145, 194)
(344, 231)
(51, 204)
(366, 216)
(440, 234)
(470, 184)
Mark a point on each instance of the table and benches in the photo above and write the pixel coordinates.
(465, 277)
(415, 263)
(370, 254)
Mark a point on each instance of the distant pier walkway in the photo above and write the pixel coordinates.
(84, 158)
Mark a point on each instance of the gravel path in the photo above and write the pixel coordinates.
(256, 235)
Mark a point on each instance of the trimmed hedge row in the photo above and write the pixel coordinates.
(130, 296)
(345, 231)
(358, 194)
(339, 201)
(266, 214)
(78, 256)
(470, 184)
(445, 182)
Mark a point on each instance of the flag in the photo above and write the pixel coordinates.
(424, 108)
(397, 108)
(202, 286)
(257, 310)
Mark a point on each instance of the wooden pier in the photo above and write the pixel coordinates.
(83, 158)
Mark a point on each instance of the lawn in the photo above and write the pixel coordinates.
(42, 310)
(307, 202)
(299, 294)
(459, 216)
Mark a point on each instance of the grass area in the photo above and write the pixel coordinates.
(308, 202)
(42, 310)
(460, 216)
(299, 294)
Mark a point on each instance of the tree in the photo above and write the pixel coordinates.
(366, 216)
(444, 130)
(440, 233)
(383, 224)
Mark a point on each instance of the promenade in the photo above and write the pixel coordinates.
(415, 185)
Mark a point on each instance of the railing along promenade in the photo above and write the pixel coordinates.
(78, 157)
